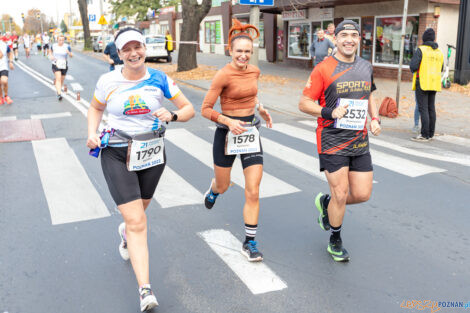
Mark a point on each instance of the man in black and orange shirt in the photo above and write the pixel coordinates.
(342, 84)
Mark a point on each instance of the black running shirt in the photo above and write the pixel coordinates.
(329, 81)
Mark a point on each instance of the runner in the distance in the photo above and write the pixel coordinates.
(58, 55)
(45, 41)
(343, 85)
(6, 62)
(15, 44)
(134, 160)
(237, 85)
(27, 44)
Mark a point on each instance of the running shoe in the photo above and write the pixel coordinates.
(123, 245)
(1, 100)
(8, 100)
(323, 220)
(147, 299)
(337, 252)
(210, 197)
(420, 138)
(251, 252)
(59, 97)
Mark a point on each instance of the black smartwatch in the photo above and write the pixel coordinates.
(174, 116)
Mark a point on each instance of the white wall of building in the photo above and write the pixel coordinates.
(447, 30)
(219, 48)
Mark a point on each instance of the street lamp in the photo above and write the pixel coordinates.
(38, 16)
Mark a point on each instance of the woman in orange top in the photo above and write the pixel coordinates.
(237, 86)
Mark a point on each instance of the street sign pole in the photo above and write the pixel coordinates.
(254, 20)
(103, 39)
(400, 65)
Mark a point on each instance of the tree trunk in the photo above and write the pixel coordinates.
(82, 6)
(192, 17)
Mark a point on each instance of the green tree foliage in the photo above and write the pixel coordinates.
(138, 8)
(63, 27)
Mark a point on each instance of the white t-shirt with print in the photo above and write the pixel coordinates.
(4, 60)
(60, 52)
(130, 103)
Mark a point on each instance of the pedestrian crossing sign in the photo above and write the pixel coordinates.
(102, 20)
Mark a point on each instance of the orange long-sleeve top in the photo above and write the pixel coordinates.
(237, 90)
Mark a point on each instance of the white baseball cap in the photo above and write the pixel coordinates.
(128, 35)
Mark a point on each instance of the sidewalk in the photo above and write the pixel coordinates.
(281, 86)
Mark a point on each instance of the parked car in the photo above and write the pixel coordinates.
(98, 42)
(156, 48)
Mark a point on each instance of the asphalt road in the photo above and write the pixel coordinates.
(410, 241)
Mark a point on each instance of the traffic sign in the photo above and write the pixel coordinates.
(92, 17)
(102, 20)
(257, 2)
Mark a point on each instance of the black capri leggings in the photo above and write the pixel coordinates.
(125, 185)
(218, 149)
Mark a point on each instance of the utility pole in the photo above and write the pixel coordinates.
(254, 20)
(103, 38)
(403, 29)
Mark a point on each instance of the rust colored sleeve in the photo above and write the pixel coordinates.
(210, 99)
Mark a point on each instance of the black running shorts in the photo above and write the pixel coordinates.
(124, 185)
(62, 71)
(4, 73)
(358, 163)
(218, 149)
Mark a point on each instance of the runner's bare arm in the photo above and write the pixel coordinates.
(185, 110)
(309, 106)
(374, 124)
(94, 116)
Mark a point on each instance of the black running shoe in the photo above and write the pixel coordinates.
(210, 197)
(147, 300)
(323, 220)
(337, 252)
(251, 252)
(59, 97)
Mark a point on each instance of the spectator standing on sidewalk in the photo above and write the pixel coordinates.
(319, 49)
(426, 65)
(168, 45)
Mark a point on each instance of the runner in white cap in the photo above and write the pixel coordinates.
(133, 97)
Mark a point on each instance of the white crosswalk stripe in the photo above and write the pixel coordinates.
(7, 118)
(202, 150)
(51, 115)
(174, 190)
(69, 192)
(388, 161)
(258, 277)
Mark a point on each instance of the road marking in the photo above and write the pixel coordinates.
(173, 190)
(300, 160)
(69, 192)
(202, 150)
(454, 140)
(76, 86)
(257, 276)
(437, 155)
(7, 118)
(69, 77)
(52, 115)
(385, 160)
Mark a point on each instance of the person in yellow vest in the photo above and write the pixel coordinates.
(427, 65)
(168, 45)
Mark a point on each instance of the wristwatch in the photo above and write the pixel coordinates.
(174, 116)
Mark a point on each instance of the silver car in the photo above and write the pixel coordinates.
(156, 48)
(98, 42)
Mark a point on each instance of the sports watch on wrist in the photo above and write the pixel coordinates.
(174, 116)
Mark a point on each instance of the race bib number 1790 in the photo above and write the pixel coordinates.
(143, 154)
(356, 114)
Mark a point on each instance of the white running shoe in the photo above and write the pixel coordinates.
(147, 299)
(123, 245)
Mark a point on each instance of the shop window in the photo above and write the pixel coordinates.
(388, 39)
(299, 40)
(367, 38)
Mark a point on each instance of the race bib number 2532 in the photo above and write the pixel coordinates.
(356, 114)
